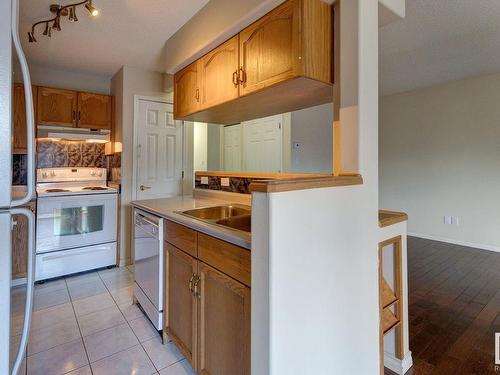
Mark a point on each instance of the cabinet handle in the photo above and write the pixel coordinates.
(196, 281)
(197, 95)
(74, 116)
(242, 76)
(235, 78)
(191, 284)
(79, 116)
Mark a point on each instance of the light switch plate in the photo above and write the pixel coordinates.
(204, 180)
(224, 181)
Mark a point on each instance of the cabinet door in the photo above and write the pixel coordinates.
(186, 91)
(19, 135)
(269, 48)
(224, 324)
(181, 306)
(56, 107)
(20, 245)
(94, 111)
(219, 74)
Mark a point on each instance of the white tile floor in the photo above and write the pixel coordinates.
(87, 324)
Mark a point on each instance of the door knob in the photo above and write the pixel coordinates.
(143, 187)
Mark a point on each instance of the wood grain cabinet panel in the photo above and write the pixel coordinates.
(19, 136)
(187, 90)
(94, 111)
(223, 325)
(181, 303)
(56, 107)
(269, 48)
(20, 245)
(219, 74)
(181, 237)
(226, 257)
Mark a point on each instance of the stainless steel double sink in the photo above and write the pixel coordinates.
(233, 216)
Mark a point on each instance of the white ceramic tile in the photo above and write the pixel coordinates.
(84, 290)
(49, 299)
(131, 361)
(92, 304)
(50, 286)
(110, 341)
(119, 281)
(59, 360)
(180, 368)
(53, 315)
(162, 355)
(46, 338)
(123, 296)
(82, 278)
(85, 370)
(143, 329)
(131, 312)
(113, 272)
(100, 320)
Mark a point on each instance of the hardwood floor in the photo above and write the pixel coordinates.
(454, 308)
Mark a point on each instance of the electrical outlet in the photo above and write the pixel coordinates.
(224, 181)
(204, 180)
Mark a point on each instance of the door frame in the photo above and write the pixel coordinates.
(157, 99)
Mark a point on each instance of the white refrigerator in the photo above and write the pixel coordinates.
(12, 349)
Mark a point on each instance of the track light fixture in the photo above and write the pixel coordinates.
(61, 11)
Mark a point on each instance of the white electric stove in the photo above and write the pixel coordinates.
(76, 221)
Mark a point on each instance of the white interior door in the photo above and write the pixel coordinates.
(232, 148)
(262, 144)
(158, 151)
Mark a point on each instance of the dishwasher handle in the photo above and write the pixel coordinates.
(147, 224)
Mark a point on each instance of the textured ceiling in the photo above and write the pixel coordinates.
(127, 32)
(439, 41)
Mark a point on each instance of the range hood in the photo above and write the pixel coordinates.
(73, 134)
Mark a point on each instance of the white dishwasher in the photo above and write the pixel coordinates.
(148, 265)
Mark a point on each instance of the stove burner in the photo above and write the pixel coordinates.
(57, 191)
(94, 188)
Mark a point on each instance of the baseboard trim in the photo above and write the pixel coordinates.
(456, 242)
(399, 366)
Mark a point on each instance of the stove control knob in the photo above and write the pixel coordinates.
(99, 173)
(53, 173)
(92, 173)
(44, 174)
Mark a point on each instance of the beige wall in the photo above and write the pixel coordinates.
(440, 155)
(42, 75)
(124, 85)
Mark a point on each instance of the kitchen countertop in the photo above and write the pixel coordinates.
(166, 208)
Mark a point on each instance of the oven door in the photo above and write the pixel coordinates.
(67, 222)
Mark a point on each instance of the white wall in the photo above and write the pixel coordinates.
(312, 129)
(126, 83)
(440, 155)
(200, 146)
(42, 75)
(214, 151)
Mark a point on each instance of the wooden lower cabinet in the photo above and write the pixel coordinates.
(223, 324)
(207, 313)
(181, 302)
(20, 244)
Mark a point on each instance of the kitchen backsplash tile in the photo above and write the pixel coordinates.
(114, 164)
(236, 184)
(52, 154)
(19, 169)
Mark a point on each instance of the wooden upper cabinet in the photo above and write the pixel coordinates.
(94, 111)
(224, 324)
(269, 48)
(56, 107)
(181, 303)
(219, 74)
(19, 135)
(187, 90)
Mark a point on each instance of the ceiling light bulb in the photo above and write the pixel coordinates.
(57, 24)
(31, 37)
(71, 14)
(46, 31)
(49, 34)
(75, 18)
(93, 11)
